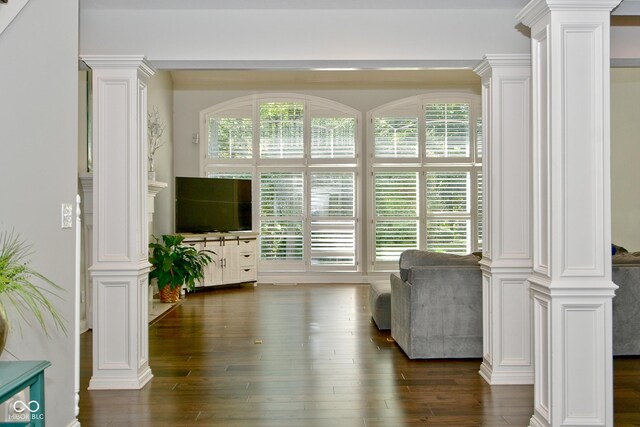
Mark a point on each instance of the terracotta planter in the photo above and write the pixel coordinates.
(168, 294)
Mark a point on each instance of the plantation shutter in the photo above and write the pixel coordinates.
(396, 212)
(333, 232)
(230, 134)
(333, 133)
(281, 209)
(447, 130)
(480, 210)
(281, 130)
(448, 211)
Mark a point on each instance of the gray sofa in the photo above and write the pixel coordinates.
(436, 305)
(626, 304)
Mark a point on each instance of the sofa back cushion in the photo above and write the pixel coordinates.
(414, 257)
(626, 258)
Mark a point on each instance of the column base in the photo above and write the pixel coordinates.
(121, 383)
(536, 421)
(505, 377)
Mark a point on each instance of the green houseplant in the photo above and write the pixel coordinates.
(174, 264)
(23, 288)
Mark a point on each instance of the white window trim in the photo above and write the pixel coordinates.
(423, 164)
(306, 164)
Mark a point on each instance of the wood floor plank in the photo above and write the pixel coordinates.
(306, 356)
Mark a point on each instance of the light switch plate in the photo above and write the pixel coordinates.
(67, 215)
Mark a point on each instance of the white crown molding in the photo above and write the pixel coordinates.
(536, 9)
(119, 61)
(491, 61)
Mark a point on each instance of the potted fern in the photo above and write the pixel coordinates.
(174, 264)
(23, 288)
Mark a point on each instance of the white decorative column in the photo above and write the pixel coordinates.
(120, 232)
(571, 284)
(506, 260)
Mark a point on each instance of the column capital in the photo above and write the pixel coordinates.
(491, 61)
(138, 62)
(536, 9)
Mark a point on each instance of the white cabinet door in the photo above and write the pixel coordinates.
(213, 271)
(230, 267)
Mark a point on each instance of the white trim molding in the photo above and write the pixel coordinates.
(571, 285)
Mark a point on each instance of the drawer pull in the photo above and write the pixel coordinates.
(247, 269)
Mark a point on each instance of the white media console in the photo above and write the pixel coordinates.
(233, 257)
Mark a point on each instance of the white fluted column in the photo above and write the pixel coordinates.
(120, 232)
(506, 259)
(571, 284)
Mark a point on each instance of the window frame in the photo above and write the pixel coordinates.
(313, 107)
(423, 164)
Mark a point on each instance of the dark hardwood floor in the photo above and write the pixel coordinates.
(306, 355)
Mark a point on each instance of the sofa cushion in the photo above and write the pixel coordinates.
(413, 257)
(626, 258)
(380, 303)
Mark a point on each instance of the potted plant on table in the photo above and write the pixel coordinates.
(23, 288)
(174, 264)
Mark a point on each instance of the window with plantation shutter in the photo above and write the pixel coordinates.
(333, 137)
(448, 211)
(281, 207)
(230, 133)
(479, 138)
(229, 175)
(396, 213)
(437, 156)
(449, 235)
(281, 240)
(281, 194)
(302, 153)
(333, 211)
(480, 209)
(230, 138)
(281, 130)
(447, 129)
(396, 137)
(448, 192)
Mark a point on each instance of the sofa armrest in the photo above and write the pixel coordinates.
(416, 258)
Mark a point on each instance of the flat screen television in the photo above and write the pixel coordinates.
(212, 205)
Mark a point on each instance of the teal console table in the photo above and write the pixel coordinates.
(16, 376)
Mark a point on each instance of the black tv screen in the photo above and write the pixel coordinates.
(212, 204)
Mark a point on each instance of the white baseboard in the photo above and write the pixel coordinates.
(511, 377)
(329, 277)
(115, 383)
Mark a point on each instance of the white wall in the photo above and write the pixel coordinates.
(625, 157)
(302, 34)
(160, 95)
(38, 172)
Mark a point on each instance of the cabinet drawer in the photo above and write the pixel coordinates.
(247, 245)
(248, 274)
(247, 260)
